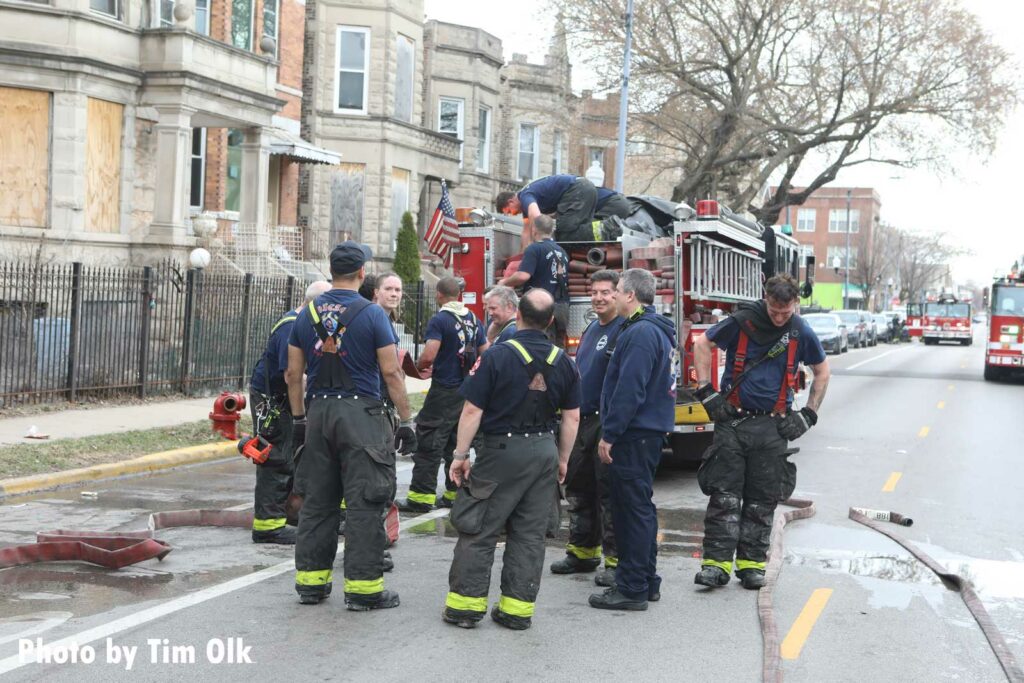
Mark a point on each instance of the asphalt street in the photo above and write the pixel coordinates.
(907, 428)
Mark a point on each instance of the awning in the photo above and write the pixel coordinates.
(291, 145)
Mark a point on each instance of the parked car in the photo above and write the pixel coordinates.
(830, 330)
(883, 326)
(856, 325)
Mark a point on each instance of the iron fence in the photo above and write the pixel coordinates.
(72, 332)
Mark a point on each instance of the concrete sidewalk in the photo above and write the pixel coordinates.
(76, 423)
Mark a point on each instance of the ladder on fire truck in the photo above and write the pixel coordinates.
(721, 272)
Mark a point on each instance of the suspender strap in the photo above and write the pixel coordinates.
(468, 326)
(332, 369)
(536, 411)
(737, 366)
(287, 319)
(789, 379)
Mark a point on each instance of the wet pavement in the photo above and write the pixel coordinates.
(886, 617)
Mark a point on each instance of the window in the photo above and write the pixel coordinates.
(234, 170)
(449, 119)
(109, 7)
(840, 253)
(270, 9)
(198, 168)
(483, 142)
(556, 160)
(837, 220)
(595, 154)
(202, 16)
(529, 141)
(399, 202)
(805, 251)
(25, 161)
(805, 220)
(104, 124)
(353, 66)
(347, 203)
(405, 48)
(241, 24)
(166, 13)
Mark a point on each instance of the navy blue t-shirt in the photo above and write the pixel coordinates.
(592, 360)
(369, 331)
(545, 192)
(603, 195)
(548, 266)
(760, 389)
(499, 384)
(274, 360)
(444, 328)
(507, 332)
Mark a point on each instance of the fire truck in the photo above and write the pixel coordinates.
(914, 316)
(711, 261)
(946, 319)
(1005, 351)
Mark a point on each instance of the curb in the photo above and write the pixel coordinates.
(147, 463)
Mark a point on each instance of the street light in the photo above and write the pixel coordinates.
(846, 280)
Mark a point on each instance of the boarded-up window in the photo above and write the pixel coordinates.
(399, 201)
(103, 166)
(24, 157)
(347, 203)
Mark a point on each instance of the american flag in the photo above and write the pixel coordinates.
(443, 232)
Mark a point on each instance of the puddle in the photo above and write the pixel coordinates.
(14, 628)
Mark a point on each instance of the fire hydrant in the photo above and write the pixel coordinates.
(225, 415)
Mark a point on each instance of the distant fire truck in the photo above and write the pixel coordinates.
(712, 260)
(947, 319)
(1005, 349)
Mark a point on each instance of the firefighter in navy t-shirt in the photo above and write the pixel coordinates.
(454, 340)
(570, 198)
(545, 265)
(745, 471)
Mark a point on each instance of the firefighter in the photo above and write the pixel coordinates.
(586, 483)
(272, 420)
(501, 304)
(612, 203)
(346, 345)
(637, 410)
(570, 198)
(745, 471)
(512, 398)
(454, 340)
(546, 265)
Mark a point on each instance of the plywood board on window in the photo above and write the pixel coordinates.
(24, 157)
(103, 166)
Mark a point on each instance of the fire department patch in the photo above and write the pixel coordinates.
(538, 383)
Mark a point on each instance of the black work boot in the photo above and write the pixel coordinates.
(711, 576)
(751, 579)
(364, 603)
(604, 578)
(412, 506)
(611, 598)
(313, 595)
(570, 564)
(461, 618)
(509, 621)
(444, 502)
(389, 563)
(280, 536)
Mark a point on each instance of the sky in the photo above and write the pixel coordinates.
(973, 201)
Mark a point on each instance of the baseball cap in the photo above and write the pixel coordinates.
(348, 257)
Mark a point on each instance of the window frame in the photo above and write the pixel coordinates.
(840, 251)
(118, 10)
(252, 25)
(800, 213)
(412, 77)
(460, 121)
(276, 4)
(590, 156)
(365, 30)
(837, 218)
(202, 162)
(483, 147)
(535, 166)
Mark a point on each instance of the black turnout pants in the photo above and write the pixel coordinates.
(588, 495)
(746, 474)
(436, 432)
(575, 213)
(273, 478)
(510, 490)
(346, 441)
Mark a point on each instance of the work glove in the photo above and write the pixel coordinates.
(405, 437)
(796, 423)
(716, 405)
(298, 432)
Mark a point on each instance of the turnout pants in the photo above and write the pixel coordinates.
(589, 498)
(436, 432)
(510, 489)
(346, 441)
(631, 479)
(746, 474)
(575, 213)
(273, 478)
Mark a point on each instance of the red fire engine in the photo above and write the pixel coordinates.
(713, 261)
(1005, 352)
(914, 315)
(946, 319)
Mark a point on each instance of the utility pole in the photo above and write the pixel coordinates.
(620, 151)
(846, 282)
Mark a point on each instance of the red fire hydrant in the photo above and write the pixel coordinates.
(225, 415)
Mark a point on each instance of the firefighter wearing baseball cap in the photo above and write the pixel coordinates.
(345, 344)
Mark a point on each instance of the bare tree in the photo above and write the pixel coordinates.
(923, 261)
(743, 92)
(877, 258)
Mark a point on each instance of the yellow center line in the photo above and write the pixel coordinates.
(801, 628)
(941, 405)
(890, 483)
(924, 432)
